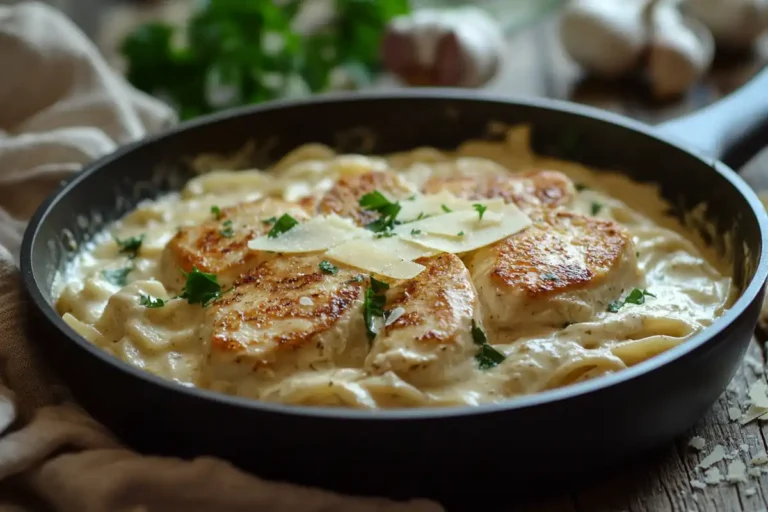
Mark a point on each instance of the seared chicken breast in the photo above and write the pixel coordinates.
(565, 268)
(430, 342)
(530, 190)
(220, 245)
(344, 198)
(282, 316)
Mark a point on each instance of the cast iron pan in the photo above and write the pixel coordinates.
(475, 452)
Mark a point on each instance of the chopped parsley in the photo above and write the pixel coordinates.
(415, 232)
(200, 288)
(328, 267)
(373, 305)
(117, 276)
(549, 276)
(580, 186)
(596, 207)
(216, 211)
(387, 210)
(269, 221)
(150, 302)
(445, 208)
(636, 296)
(486, 356)
(480, 209)
(227, 232)
(283, 224)
(357, 279)
(460, 233)
(384, 234)
(130, 246)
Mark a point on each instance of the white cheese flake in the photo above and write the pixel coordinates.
(757, 394)
(441, 232)
(362, 254)
(717, 454)
(754, 472)
(403, 249)
(394, 315)
(734, 413)
(752, 414)
(713, 476)
(697, 443)
(306, 301)
(744, 447)
(750, 492)
(737, 472)
(760, 458)
(436, 204)
(698, 484)
(317, 234)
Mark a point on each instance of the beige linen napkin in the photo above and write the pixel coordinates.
(60, 107)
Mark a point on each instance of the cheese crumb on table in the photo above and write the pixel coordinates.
(717, 454)
(713, 476)
(697, 443)
(736, 472)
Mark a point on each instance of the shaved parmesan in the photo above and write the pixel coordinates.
(757, 394)
(436, 204)
(698, 484)
(718, 454)
(754, 472)
(750, 492)
(697, 443)
(737, 472)
(362, 254)
(317, 234)
(713, 476)
(734, 413)
(403, 249)
(394, 315)
(760, 459)
(476, 233)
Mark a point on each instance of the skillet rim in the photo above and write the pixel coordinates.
(707, 335)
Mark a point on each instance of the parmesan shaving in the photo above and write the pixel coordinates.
(757, 394)
(760, 459)
(750, 492)
(317, 234)
(717, 454)
(698, 484)
(737, 472)
(754, 472)
(432, 204)
(713, 476)
(734, 413)
(403, 249)
(752, 414)
(476, 234)
(362, 254)
(394, 315)
(697, 443)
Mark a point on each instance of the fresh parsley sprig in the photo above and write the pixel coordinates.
(486, 356)
(151, 302)
(130, 246)
(373, 305)
(387, 210)
(118, 276)
(227, 230)
(281, 225)
(200, 287)
(328, 268)
(480, 209)
(636, 296)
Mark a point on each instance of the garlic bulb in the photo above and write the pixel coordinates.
(680, 52)
(734, 23)
(606, 37)
(458, 47)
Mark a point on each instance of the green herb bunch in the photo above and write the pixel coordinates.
(237, 52)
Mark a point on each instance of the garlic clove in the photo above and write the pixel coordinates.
(735, 24)
(680, 52)
(606, 37)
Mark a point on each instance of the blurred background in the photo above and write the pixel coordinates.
(649, 59)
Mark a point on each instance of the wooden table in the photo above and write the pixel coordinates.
(661, 482)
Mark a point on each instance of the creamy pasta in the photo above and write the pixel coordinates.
(568, 274)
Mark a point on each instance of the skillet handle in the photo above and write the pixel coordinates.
(721, 130)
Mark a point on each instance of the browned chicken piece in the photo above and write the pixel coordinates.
(220, 246)
(344, 198)
(530, 190)
(282, 316)
(430, 343)
(565, 268)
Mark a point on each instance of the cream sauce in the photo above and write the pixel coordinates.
(690, 284)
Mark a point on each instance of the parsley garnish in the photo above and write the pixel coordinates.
(373, 305)
(636, 296)
(596, 207)
(480, 208)
(384, 234)
(283, 224)
(130, 246)
(486, 356)
(357, 279)
(200, 288)
(580, 186)
(269, 221)
(549, 276)
(227, 231)
(216, 211)
(150, 302)
(445, 208)
(415, 232)
(460, 233)
(117, 276)
(328, 267)
(376, 201)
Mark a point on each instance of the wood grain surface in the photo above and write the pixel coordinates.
(535, 65)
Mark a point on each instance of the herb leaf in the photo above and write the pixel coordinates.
(117, 276)
(595, 207)
(283, 224)
(130, 246)
(228, 231)
(378, 286)
(445, 208)
(580, 186)
(328, 267)
(216, 211)
(636, 296)
(415, 232)
(480, 208)
(200, 288)
(269, 221)
(376, 201)
(373, 305)
(460, 233)
(486, 356)
(151, 302)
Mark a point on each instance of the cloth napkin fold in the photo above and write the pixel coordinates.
(60, 107)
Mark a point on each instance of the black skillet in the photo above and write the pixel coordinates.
(510, 447)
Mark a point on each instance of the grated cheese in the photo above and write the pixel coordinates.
(757, 394)
(754, 472)
(744, 447)
(317, 234)
(737, 472)
(734, 413)
(712, 476)
(362, 254)
(760, 459)
(697, 443)
(750, 492)
(717, 454)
